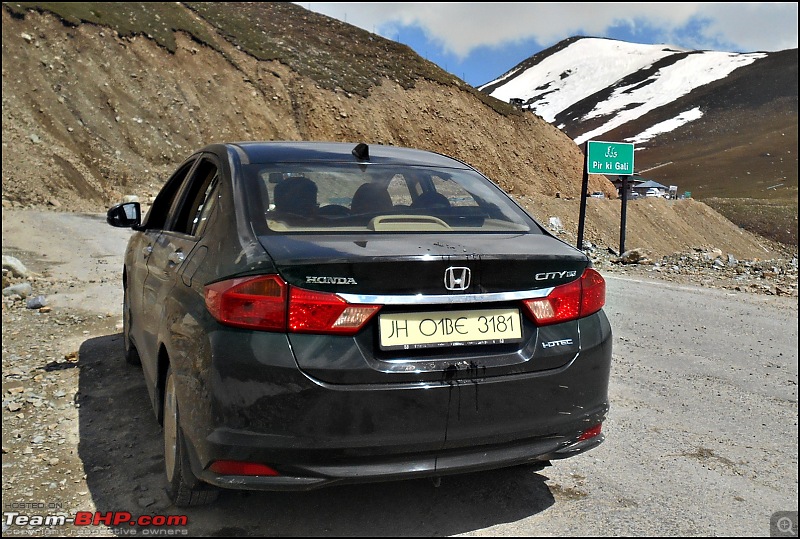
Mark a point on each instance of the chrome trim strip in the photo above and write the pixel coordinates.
(447, 299)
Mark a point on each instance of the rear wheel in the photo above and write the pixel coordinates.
(184, 488)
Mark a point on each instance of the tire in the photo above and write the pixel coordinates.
(131, 354)
(183, 487)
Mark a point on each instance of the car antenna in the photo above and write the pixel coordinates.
(361, 151)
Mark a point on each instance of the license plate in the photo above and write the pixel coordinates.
(410, 331)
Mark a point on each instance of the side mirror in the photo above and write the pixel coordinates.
(125, 215)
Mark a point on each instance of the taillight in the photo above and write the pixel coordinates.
(249, 302)
(591, 433)
(269, 303)
(570, 301)
(323, 312)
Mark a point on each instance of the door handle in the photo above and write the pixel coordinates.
(176, 258)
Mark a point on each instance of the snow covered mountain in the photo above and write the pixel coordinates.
(716, 123)
(624, 81)
(591, 86)
(721, 126)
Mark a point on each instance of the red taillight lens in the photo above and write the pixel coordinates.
(593, 292)
(591, 433)
(237, 467)
(249, 302)
(268, 303)
(321, 312)
(570, 301)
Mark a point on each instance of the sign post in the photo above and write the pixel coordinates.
(610, 158)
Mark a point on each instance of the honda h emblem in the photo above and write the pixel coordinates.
(457, 278)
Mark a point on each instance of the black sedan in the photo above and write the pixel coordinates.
(309, 314)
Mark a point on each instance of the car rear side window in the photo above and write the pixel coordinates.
(193, 207)
(376, 199)
(204, 211)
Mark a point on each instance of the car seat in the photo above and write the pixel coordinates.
(296, 195)
(371, 198)
(431, 199)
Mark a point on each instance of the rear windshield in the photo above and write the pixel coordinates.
(374, 198)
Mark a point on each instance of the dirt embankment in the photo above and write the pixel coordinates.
(89, 116)
(658, 226)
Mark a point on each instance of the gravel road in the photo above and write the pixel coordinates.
(701, 438)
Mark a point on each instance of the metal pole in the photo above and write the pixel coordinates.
(623, 215)
(584, 188)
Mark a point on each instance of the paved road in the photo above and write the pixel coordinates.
(701, 439)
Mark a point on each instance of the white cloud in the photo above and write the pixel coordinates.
(460, 27)
(758, 26)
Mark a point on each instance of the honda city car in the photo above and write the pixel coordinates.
(309, 314)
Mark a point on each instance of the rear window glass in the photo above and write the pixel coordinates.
(374, 198)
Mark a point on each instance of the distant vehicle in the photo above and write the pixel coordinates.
(598, 194)
(652, 193)
(302, 320)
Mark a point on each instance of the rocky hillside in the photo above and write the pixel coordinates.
(99, 103)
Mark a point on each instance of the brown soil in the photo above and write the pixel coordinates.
(89, 116)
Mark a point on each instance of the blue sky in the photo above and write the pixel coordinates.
(480, 41)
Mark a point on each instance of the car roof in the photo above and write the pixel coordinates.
(336, 152)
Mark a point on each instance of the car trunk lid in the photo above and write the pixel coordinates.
(431, 280)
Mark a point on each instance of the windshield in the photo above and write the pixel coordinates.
(314, 197)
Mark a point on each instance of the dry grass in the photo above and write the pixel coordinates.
(774, 219)
(749, 175)
(334, 54)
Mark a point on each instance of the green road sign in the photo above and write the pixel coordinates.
(609, 158)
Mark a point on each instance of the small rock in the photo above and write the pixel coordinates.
(15, 266)
(23, 290)
(36, 302)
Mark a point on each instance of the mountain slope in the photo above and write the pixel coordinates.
(106, 105)
(98, 104)
(722, 126)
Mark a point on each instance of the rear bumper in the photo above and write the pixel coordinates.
(302, 477)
